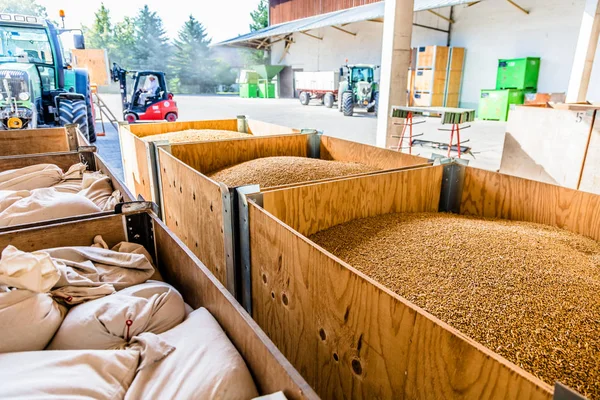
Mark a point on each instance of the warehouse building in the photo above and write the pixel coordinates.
(307, 35)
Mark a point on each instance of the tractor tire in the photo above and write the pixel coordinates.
(304, 98)
(90, 114)
(328, 100)
(74, 112)
(348, 103)
(373, 108)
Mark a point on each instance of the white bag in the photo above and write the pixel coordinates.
(32, 271)
(100, 192)
(37, 176)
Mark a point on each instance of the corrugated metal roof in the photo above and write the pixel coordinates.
(348, 16)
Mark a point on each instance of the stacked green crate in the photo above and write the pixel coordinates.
(514, 78)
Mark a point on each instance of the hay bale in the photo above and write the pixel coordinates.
(195, 135)
(277, 171)
(527, 291)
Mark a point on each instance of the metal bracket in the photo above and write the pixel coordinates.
(86, 155)
(452, 186)
(562, 392)
(314, 142)
(155, 177)
(243, 261)
(140, 230)
(228, 196)
(242, 124)
(71, 130)
(439, 159)
(135, 206)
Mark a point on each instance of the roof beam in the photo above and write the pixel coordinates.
(312, 36)
(343, 30)
(262, 43)
(473, 3)
(442, 16)
(518, 6)
(380, 20)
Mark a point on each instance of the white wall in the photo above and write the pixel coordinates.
(495, 29)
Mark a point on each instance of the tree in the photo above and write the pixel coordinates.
(101, 35)
(260, 20)
(124, 43)
(151, 48)
(28, 7)
(191, 64)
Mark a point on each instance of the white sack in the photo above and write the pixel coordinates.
(101, 193)
(46, 204)
(204, 365)
(28, 321)
(59, 375)
(73, 295)
(72, 186)
(32, 271)
(37, 176)
(112, 321)
(92, 266)
(9, 197)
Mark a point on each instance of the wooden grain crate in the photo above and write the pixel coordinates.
(452, 100)
(352, 337)
(430, 81)
(138, 154)
(37, 141)
(424, 99)
(454, 81)
(200, 210)
(180, 268)
(433, 57)
(457, 58)
(65, 160)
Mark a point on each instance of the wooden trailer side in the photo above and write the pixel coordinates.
(345, 150)
(62, 160)
(103, 167)
(260, 128)
(349, 336)
(34, 141)
(141, 130)
(193, 210)
(490, 194)
(135, 154)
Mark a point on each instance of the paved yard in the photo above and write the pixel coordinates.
(486, 138)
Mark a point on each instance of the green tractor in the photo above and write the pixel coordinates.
(359, 89)
(38, 87)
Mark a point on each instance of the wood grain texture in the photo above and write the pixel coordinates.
(345, 150)
(136, 165)
(62, 160)
(289, 10)
(259, 128)
(207, 157)
(545, 144)
(312, 208)
(80, 233)
(96, 62)
(102, 166)
(490, 194)
(352, 338)
(199, 287)
(141, 130)
(33, 141)
(193, 210)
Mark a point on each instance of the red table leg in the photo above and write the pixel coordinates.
(451, 140)
(458, 138)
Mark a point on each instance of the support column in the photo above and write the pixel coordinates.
(585, 52)
(395, 61)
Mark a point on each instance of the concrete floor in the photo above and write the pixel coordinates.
(486, 138)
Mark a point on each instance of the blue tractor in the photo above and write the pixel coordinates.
(38, 86)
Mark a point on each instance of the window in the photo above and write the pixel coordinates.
(22, 44)
(362, 74)
(47, 77)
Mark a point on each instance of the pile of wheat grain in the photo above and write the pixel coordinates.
(195, 135)
(277, 171)
(529, 292)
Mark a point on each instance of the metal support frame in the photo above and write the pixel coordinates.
(229, 233)
(437, 14)
(343, 30)
(562, 392)
(155, 178)
(431, 28)
(243, 261)
(242, 124)
(314, 143)
(518, 6)
(86, 155)
(452, 186)
(140, 230)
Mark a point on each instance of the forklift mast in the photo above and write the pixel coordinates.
(119, 74)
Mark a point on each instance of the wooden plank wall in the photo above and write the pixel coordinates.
(116, 182)
(289, 10)
(347, 335)
(345, 150)
(193, 210)
(136, 165)
(62, 160)
(33, 141)
(270, 370)
(490, 194)
(211, 156)
(259, 128)
(96, 62)
(141, 130)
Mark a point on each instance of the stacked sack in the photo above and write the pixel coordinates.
(43, 191)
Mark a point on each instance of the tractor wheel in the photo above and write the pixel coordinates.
(348, 103)
(171, 117)
(328, 100)
(74, 112)
(304, 98)
(90, 114)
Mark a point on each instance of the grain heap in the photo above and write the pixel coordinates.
(195, 135)
(277, 171)
(527, 291)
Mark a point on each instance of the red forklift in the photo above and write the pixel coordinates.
(150, 99)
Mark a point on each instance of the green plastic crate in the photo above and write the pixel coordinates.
(266, 90)
(494, 104)
(248, 90)
(518, 73)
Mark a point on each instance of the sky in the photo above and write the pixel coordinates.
(223, 19)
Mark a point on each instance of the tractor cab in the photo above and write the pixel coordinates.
(150, 99)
